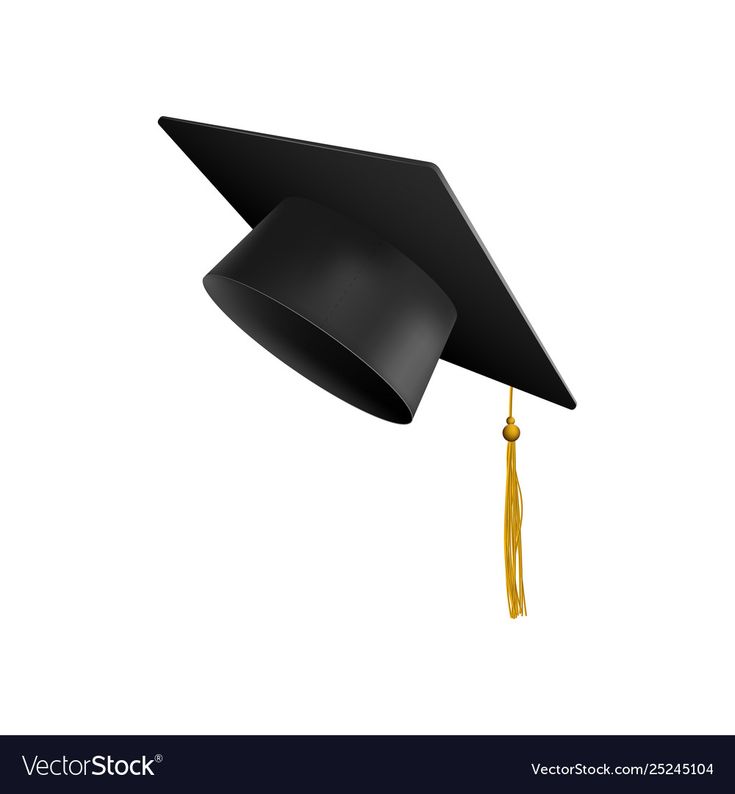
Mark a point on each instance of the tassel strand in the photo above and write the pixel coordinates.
(513, 519)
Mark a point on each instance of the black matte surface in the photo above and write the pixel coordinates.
(406, 202)
(339, 305)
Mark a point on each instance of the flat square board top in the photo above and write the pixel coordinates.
(406, 202)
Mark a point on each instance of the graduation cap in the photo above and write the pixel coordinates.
(361, 271)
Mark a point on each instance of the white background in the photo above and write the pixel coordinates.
(195, 539)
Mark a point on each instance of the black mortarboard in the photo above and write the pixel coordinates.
(361, 271)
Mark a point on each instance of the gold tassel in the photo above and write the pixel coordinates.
(512, 520)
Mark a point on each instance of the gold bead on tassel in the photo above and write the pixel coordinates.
(512, 521)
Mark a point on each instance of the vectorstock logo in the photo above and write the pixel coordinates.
(97, 765)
